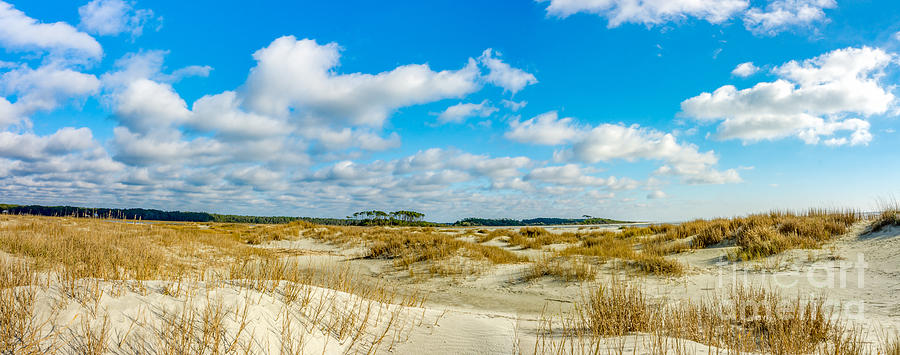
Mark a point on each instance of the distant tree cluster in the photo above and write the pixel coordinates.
(396, 218)
(507, 222)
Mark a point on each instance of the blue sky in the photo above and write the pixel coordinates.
(653, 110)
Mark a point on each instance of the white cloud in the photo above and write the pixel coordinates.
(67, 158)
(352, 173)
(512, 184)
(221, 113)
(167, 148)
(649, 12)
(257, 177)
(569, 174)
(513, 105)
(20, 32)
(347, 138)
(436, 159)
(782, 15)
(145, 105)
(546, 129)
(608, 142)
(43, 88)
(298, 75)
(745, 69)
(460, 112)
(9, 113)
(113, 17)
(810, 100)
(656, 194)
(189, 71)
(777, 16)
(148, 65)
(503, 75)
(32, 147)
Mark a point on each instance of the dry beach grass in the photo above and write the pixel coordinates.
(72, 285)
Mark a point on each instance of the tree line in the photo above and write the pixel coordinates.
(544, 221)
(360, 218)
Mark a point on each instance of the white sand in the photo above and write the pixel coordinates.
(493, 312)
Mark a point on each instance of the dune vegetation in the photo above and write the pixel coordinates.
(70, 285)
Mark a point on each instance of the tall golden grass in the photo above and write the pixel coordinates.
(89, 260)
(745, 320)
(761, 235)
(566, 269)
(889, 216)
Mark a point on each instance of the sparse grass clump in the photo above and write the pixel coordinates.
(649, 260)
(744, 320)
(603, 246)
(630, 232)
(533, 232)
(537, 238)
(413, 247)
(658, 265)
(566, 269)
(617, 309)
(662, 248)
(761, 235)
(887, 218)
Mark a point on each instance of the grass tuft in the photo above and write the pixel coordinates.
(566, 269)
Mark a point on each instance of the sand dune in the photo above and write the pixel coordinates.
(368, 305)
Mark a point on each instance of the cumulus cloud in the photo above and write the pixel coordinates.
(460, 112)
(141, 150)
(299, 75)
(745, 69)
(782, 15)
(148, 65)
(503, 75)
(55, 82)
(68, 157)
(41, 89)
(9, 113)
(811, 99)
(20, 32)
(346, 138)
(257, 177)
(261, 126)
(569, 174)
(31, 147)
(656, 194)
(223, 115)
(608, 142)
(113, 17)
(145, 105)
(546, 128)
(514, 105)
(650, 12)
(188, 71)
(777, 16)
(436, 159)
